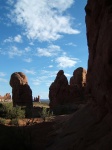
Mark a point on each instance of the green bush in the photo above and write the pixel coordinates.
(10, 112)
(45, 112)
(2, 121)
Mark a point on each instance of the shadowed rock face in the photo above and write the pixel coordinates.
(57, 89)
(90, 128)
(77, 84)
(99, 37)
(60, 92)
(21, 91)
(79, 77)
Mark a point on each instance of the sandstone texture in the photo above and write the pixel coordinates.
(79, 77)
(77, 84)
(99, 37)
(61, 92)
(21, 91)
(90, 128)
(7, 96)
(57, 93)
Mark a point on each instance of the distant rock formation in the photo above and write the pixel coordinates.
(21, 91)
(57, 90)
(37, 99)
(77, 84)
(7, 97)
(60, 92)
(79, 77)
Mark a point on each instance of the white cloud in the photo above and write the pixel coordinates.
(14, 52)
(35, 81)
(32, 72)
(43, 52)
(27, 49)
(44, 77)
(64, 61)
(2, 74)
(31, 43)
(67, 75)
(9, 39)
(71, 44)
(3, 80)
(43, 20)
(49, 74)
(41, 80)
(28, 60)
(17, 39)
(51, 50)
(61, 5)
(50, 66)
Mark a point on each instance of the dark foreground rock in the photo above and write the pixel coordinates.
(83, 131)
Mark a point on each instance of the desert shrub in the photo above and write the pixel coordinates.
(10, 112)
(45, 112)
(16, 112)
(2, 121)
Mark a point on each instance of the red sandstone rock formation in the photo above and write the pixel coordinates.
(21, 91)
(57, 90)
(99, 37)
(79, 77)
(90, 128)
(37, 99)
(7, 96)
(61, 93)
(77, 83)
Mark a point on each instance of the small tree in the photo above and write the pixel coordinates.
(45, 113)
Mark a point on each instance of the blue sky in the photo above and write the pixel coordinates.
(40, 37)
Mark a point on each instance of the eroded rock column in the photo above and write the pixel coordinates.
(21, 91)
